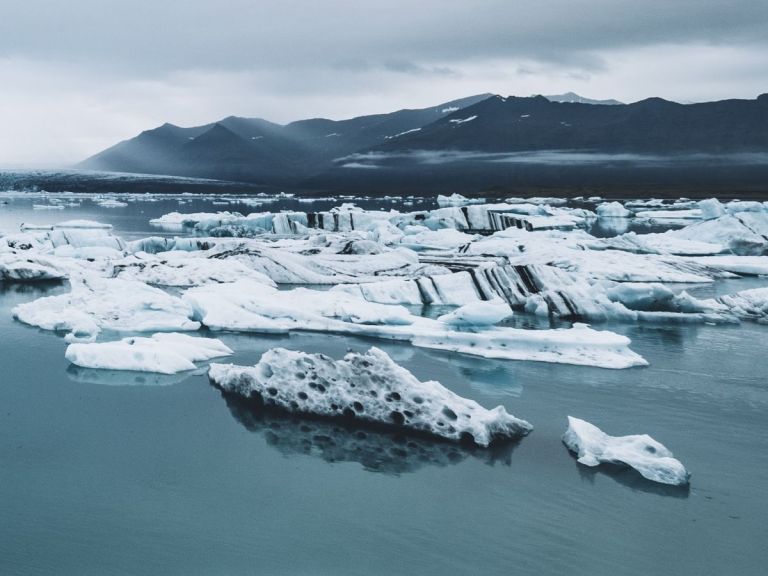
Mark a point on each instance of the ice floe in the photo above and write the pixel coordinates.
(650, 458)
(164, 353)
(95, 304)
(369, 387)
(247, 306)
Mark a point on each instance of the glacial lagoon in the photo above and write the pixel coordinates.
(107, 472)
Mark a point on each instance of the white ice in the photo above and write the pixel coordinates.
(164, 353)
(368, 387)
(641, 452)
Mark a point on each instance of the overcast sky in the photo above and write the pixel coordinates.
(76, 76)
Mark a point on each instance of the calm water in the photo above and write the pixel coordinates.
(127, 473)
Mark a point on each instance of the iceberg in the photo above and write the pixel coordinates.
(368, 387)
(612, 210)
(641, 452)
(95, 304)
(482, 313)
(457, 200)
(247, 306)
(167, 353)
(182, 269)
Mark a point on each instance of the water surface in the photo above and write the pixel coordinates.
(127, 473)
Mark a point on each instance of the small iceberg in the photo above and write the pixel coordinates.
(641, 452)
(612, 210)
(167, 353)
(369, 387)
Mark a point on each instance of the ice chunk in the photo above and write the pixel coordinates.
(181, 269)
(369, 387)
(97, 303)
(16, 266)
(641, 452)
(163, 353)
(711, 209)
(457, 200)
(483, 313)
(612, 210)
(445, 239)
(748, 304)
(250, 307)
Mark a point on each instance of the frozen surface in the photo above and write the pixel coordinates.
(164, 353)
(641, 452)
(369, 387)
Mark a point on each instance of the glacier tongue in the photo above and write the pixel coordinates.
(369, 387)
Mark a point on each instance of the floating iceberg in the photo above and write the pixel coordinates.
(641, 452)
(369, 387)
(612, 210)
(482, 313)
(457, 200)
(18, 266)
(247, 306)
(181, 269)
(168, 353)
(95, 304)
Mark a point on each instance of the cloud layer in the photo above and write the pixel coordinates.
(80, 75)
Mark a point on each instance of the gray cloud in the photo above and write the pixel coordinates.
(79, 75)
(147, 36)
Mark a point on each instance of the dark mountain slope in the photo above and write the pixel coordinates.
(255, 150)
(652, 126)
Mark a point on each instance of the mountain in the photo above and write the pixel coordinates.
(575, 98)
(479, 143)
(652, 126)
(256, 150)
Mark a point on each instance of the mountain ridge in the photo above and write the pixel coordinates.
(449, 145)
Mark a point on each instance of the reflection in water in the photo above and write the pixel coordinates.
(605, 227)
(125, 377)
(37, 289)
(376, 449)
(489, 377)
(631, 478)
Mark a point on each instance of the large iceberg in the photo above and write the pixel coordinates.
(652, 459)
(167, 353)
(369, 387)
(250, 307)
(95, 304)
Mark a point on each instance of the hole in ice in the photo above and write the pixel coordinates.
(272, 391)
(358, 406)
(348, 413)
(302, 395)
(300, 375)
(448, 413)
(418, 399)
(374, 393)
(650, 449)
(397, 417)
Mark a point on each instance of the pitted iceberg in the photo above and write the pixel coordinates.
(369, 387)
